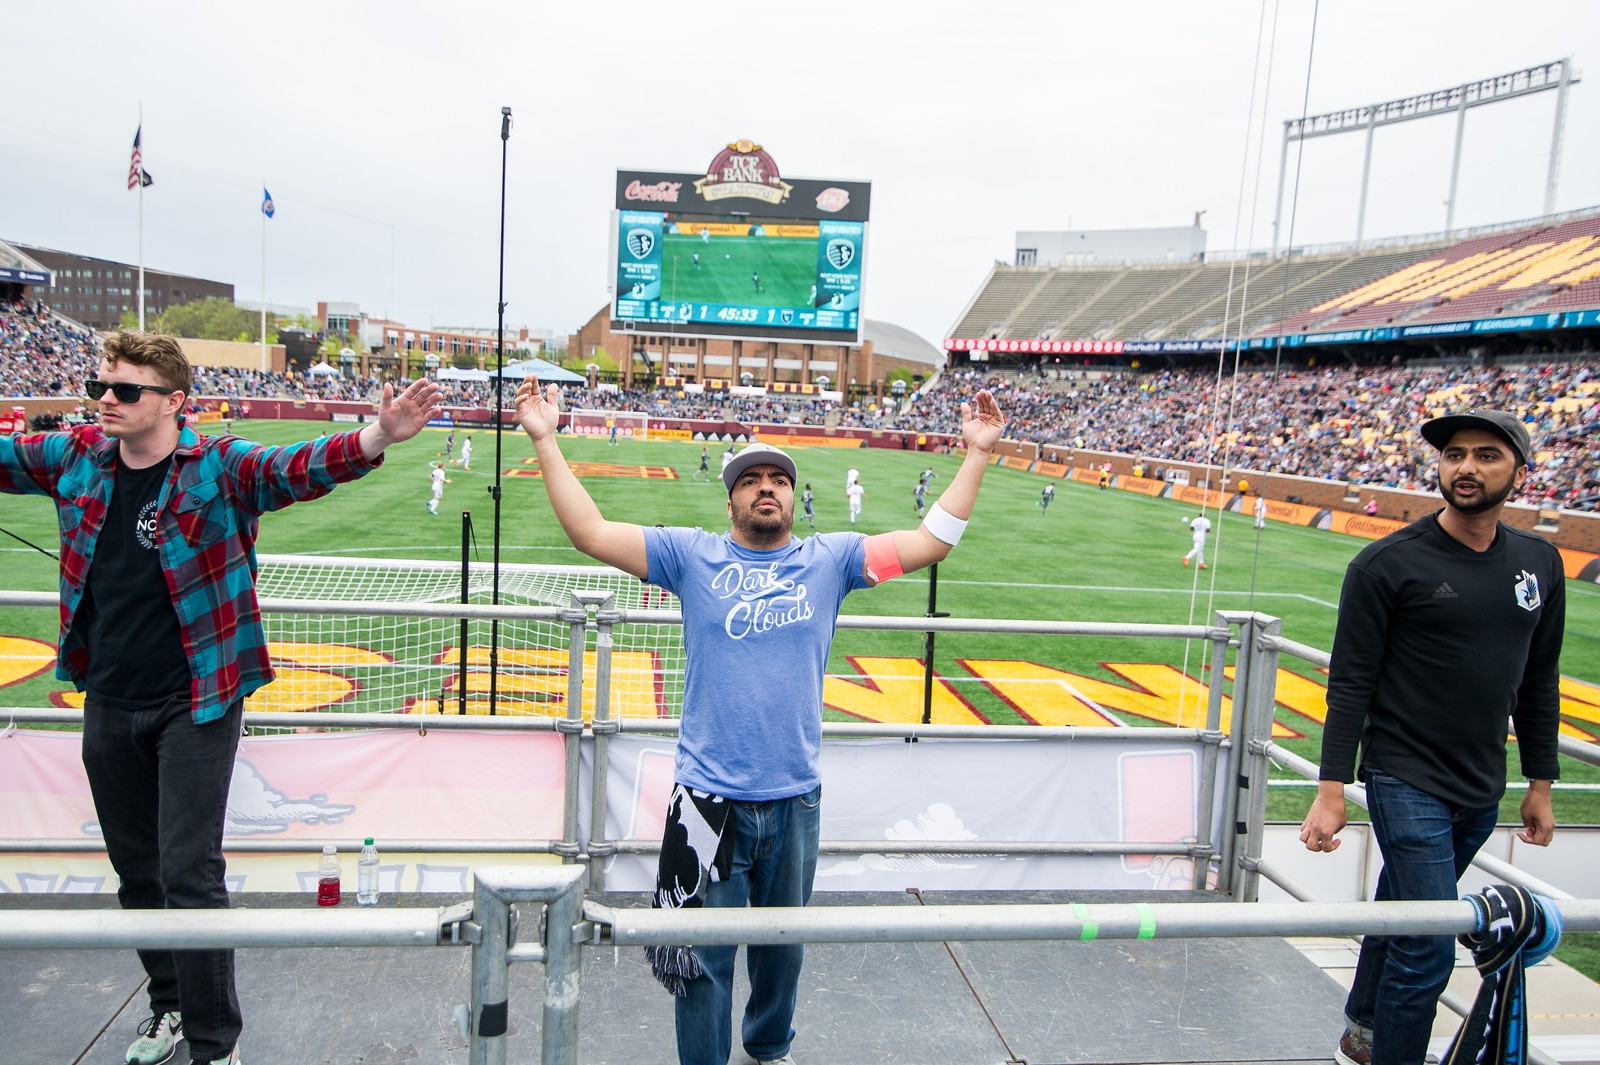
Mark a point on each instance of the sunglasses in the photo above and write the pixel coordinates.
(125, 391)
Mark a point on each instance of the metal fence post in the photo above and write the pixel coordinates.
(489, 1011)
(599, 847)
(1260, 698)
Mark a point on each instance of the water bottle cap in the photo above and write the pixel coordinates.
(369, 841)
(329, 849)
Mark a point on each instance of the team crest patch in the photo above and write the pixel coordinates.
(640, 243)
(1528, 591)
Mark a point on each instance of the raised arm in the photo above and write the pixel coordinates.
(615, 543)
(981, 426)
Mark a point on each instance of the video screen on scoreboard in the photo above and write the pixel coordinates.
(781, 278)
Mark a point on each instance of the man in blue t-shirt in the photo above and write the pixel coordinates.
(759, 606)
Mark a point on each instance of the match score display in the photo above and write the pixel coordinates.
(739, 252)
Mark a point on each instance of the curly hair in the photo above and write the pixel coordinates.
(161, 353)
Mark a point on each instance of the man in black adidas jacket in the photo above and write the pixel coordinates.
(1446, 629)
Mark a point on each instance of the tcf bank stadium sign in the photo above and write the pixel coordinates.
(743, 178)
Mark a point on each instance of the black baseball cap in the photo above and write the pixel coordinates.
(1503, 424)
(757, 455)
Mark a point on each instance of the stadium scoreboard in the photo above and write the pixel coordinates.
(740, 252)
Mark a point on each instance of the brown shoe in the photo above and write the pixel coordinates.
(1353, 1050)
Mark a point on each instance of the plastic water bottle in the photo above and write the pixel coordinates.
(367, 875)
(328, 877)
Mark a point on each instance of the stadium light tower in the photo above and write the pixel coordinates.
(1557, 76)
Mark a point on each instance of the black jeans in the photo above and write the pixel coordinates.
(160, 785)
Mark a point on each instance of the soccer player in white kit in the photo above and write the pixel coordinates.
(1199, 526)
(855, 493)
(439, 479)
(1261, 511)
(466, 453)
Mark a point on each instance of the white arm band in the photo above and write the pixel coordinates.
(943, 526)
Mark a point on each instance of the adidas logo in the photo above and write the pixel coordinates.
(1444, 591)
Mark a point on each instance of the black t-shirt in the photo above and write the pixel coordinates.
(126, 618)
(1436, 645)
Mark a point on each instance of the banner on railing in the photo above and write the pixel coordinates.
(960, 791)
(313, 787)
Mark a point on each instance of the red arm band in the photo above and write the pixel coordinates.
(883, 560)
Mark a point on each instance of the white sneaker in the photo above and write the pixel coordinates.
(232, 1058)
(158, 1038)
(785, 1060)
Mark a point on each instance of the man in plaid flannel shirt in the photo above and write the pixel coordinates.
(161, 629)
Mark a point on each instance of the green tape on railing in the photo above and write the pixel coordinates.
(1147, 920)
(1091, 929)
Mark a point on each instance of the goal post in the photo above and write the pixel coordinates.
(633, 424)
(398, 664)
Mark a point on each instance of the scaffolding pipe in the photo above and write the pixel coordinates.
(1163, 920)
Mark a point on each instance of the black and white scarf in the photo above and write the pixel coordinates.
(696, 849)
(1515, 929)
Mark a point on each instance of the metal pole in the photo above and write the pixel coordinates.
(1455, 162)
(563, 970)
(487, 1020)
(499, 415)
(1555, 137)
(600, 848)
(466, 596)
(571, 727)
(1258, 711)
(1234, 771)
(1283, 167)
(1366, 172)
(927, 644)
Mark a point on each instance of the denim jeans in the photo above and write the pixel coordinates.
(774, 863)
(160, 786)
(1427, 843)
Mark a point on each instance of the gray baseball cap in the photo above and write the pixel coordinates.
(757, 455)
(1503, 424)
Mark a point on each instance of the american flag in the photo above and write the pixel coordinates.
(137, 174)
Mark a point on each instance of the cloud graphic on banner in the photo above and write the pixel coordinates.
(256, 808)
(938, 822)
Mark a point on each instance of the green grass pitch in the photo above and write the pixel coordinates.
(787, 267)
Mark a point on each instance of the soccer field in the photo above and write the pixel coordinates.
(787, 268)
(1095, 555)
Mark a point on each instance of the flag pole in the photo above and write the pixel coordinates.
(264, 359)
(139, 137)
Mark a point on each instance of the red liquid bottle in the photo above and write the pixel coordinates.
(328, 877)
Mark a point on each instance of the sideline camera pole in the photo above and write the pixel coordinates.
(927, 645)
(499, 413)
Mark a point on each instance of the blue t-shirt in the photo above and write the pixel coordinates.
(757, 626)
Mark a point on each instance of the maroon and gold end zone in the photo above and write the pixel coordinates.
(602, 469)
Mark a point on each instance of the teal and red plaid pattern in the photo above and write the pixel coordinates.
(209, 510)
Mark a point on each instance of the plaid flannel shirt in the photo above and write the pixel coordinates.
(208, 515)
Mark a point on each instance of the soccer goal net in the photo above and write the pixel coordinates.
(394, 664)
(630, 423)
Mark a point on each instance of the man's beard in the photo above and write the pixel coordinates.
(761, 525)
(1484, 501)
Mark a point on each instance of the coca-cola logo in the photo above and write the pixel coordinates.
(660, 192)
(832, 199)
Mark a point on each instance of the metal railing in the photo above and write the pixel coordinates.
(1236, 767)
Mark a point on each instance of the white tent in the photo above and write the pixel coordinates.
(546, 371)
(450, 373)
(322, 369)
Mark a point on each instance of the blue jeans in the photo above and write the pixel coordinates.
(1427, 843)
(160, 786)
(774, 864)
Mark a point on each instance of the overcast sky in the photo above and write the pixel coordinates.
(376, 127)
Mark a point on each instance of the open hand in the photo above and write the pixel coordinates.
(981, 426)
(538, 412)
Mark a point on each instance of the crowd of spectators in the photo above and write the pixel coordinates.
(1354, 424)
(40, 355)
